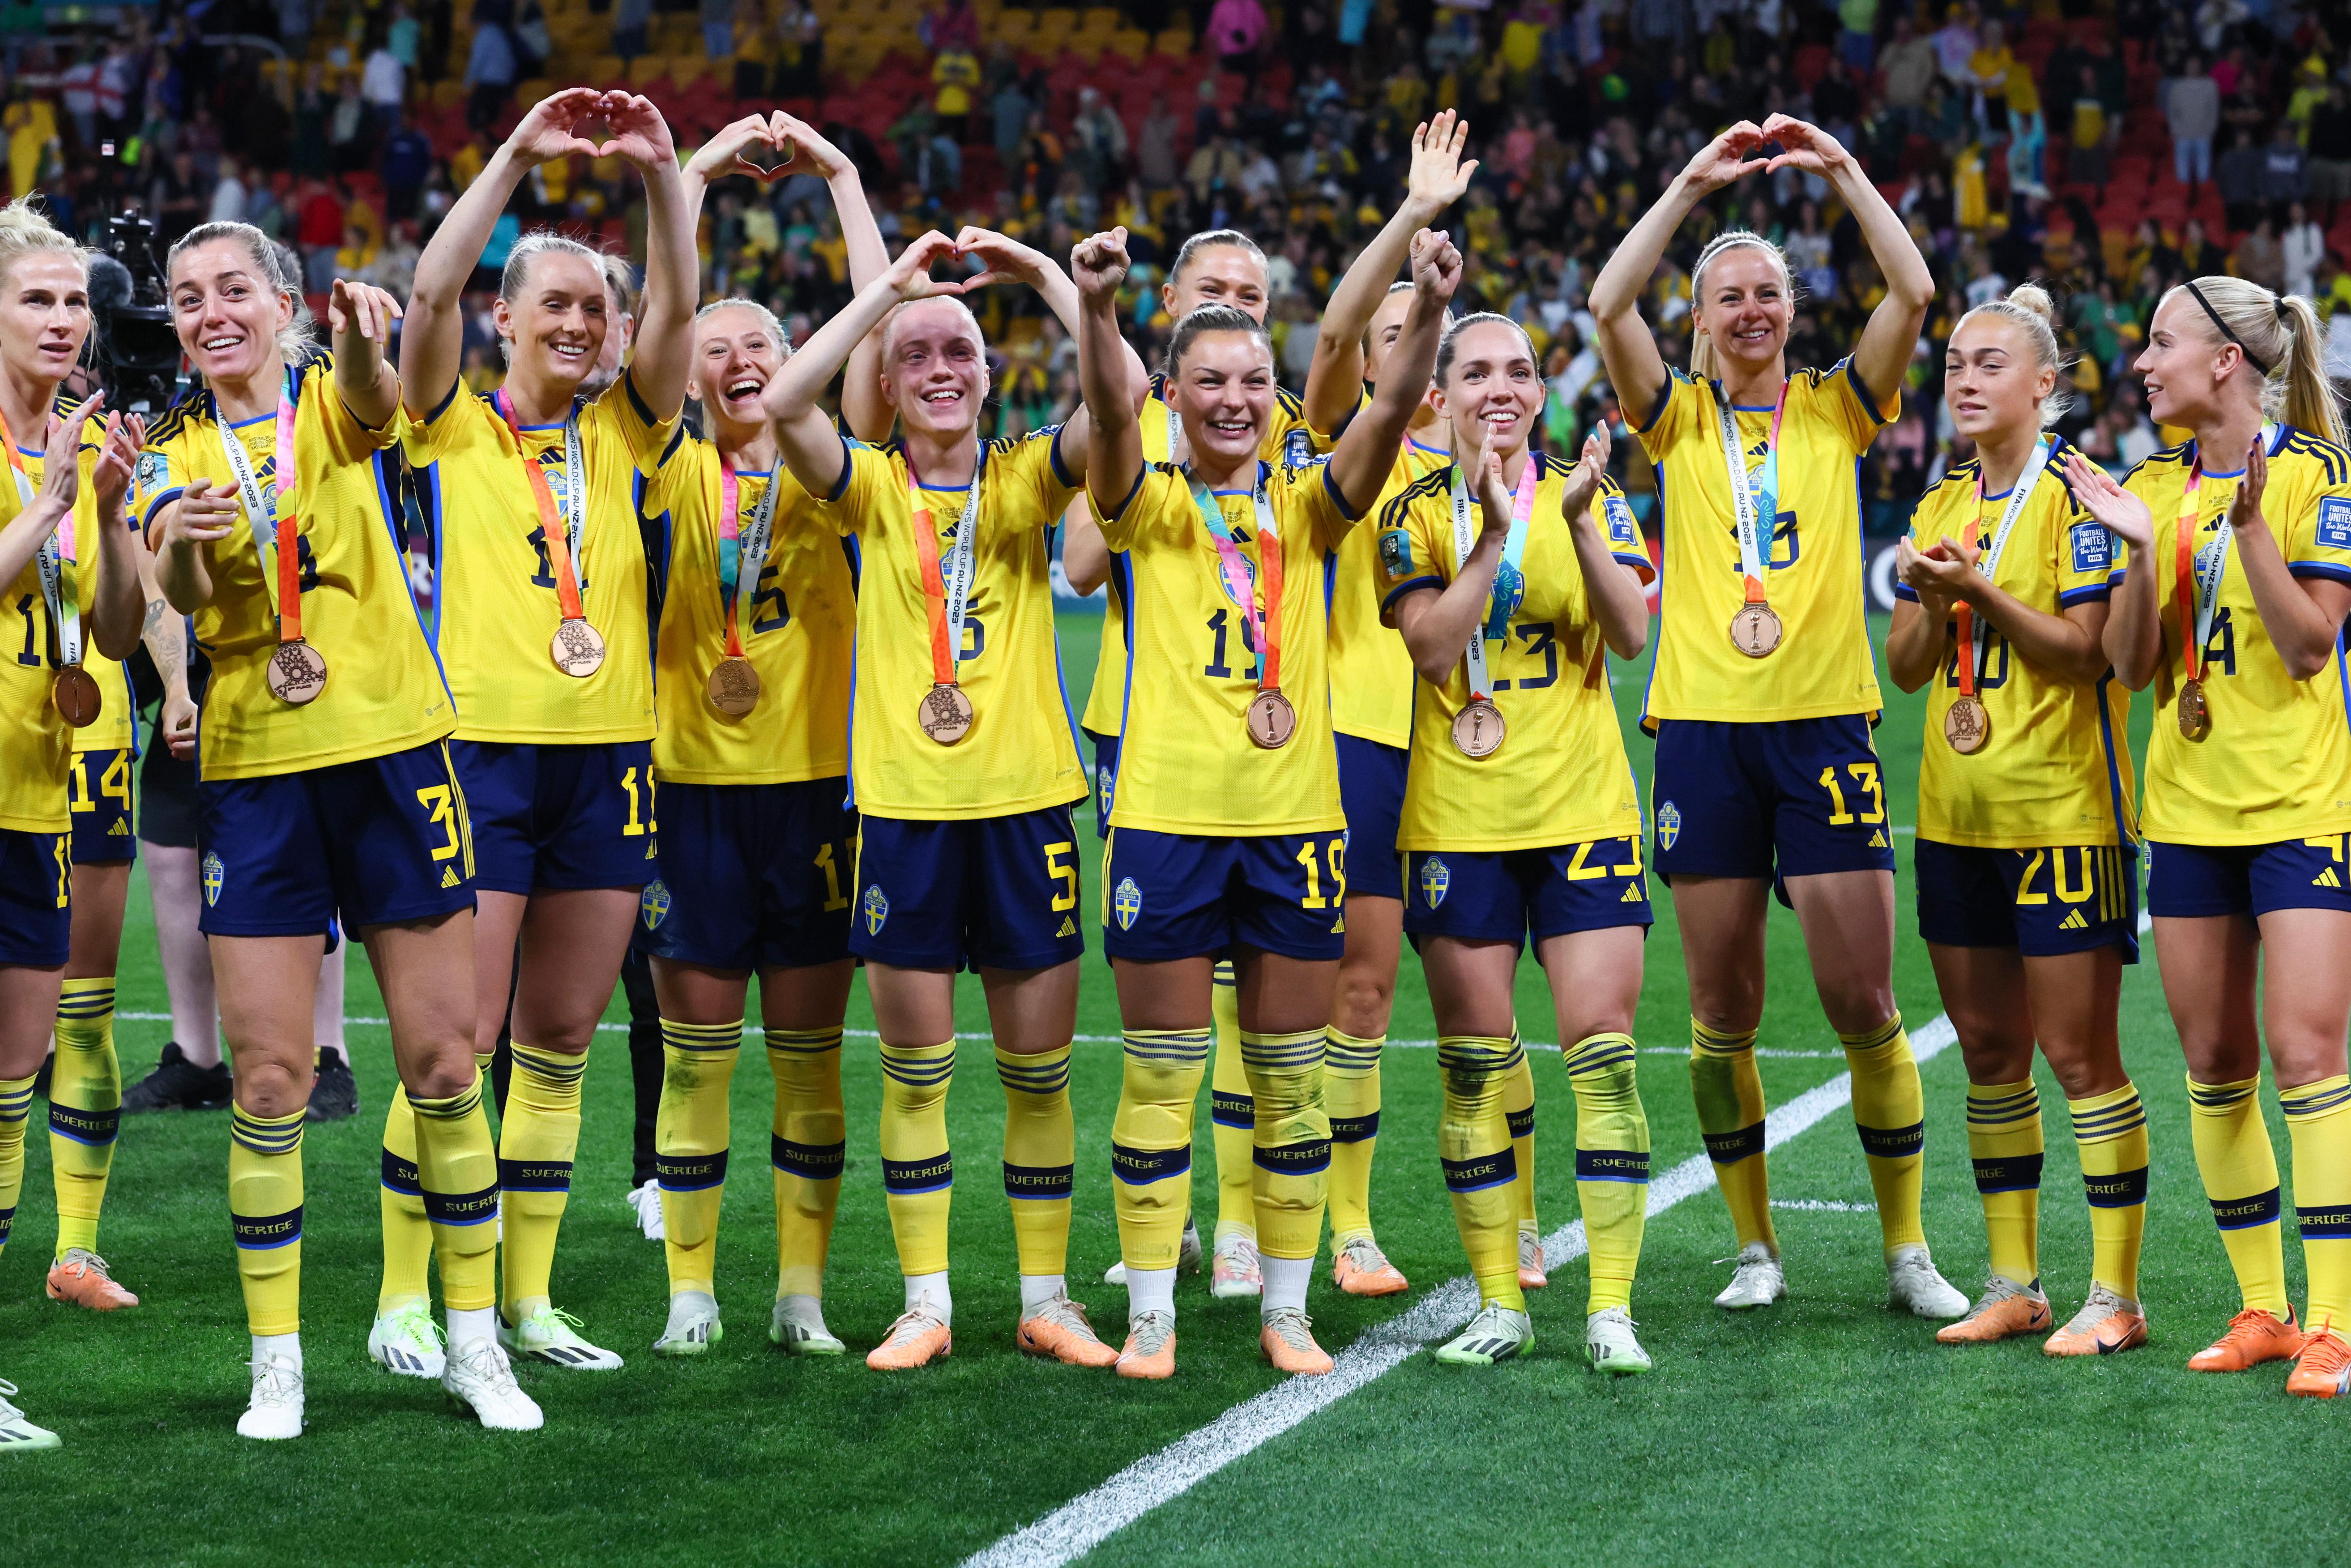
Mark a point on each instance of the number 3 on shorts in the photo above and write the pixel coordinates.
(1335, 853)
(1864, 774)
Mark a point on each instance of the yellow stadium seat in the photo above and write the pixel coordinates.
(1131, 42)
(448, 93)
(1175, 41)
(606, 69)
(647, 70)
(529, 92)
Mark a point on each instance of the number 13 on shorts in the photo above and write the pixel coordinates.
(1864, 779)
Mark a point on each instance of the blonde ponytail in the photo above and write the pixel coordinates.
(2310, 400)
(2282, 341)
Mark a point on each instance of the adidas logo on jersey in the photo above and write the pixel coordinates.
(2326, 879)
(449, 876)
(1069, 927)
(1632, 894)
(1877, 840)
(119, 829)
(2074, 922)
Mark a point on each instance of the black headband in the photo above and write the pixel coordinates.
(2250, 358)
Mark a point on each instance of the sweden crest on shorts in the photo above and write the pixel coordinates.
(1669, 825)
(877, 909)
(653, 904)
(1436, 879)
(214, 877)
(1126, 903)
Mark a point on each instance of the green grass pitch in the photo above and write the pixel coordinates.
(1825, 1429)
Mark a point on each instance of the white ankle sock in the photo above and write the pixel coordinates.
(1036, 1290)
(289, 1345)
(933, 1286)
(465, 1327)
(1285, 1282)
(1149, 1290)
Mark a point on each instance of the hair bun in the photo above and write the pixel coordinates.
(2034, 297)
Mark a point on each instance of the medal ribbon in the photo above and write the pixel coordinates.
(1976, 635)
(739, 546)
(277, 527)
(1509, 582)
(1754, 516)
(945, 592)
(56, 556)
(1264, 629)
(564, 543)
(2199, 592)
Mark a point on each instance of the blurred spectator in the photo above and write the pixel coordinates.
(2285, 169)
(1909, 65)
(717, 28)
(2330, 150)
(383, 87)
(490, 69)
(228, 196)
(177, 199)
(2303, 246)
(2260, 259)
(953, 29)
(406, 164)
(631, 21)
(1235, 28)
(1955, 47)
(799, 51)
(2192, 110)
(955, 74)
(2239, 176)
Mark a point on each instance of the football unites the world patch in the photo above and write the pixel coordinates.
(2335, 521)
(2094, 548)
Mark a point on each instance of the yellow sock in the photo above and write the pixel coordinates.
(1473, 1145)
(808, 1147)
(1232, 1114)
(1519, 1110)
(1611, 1163)
(690, 1139)
(1151, 1142)
(1729, 1096)
(2110, 1130)
(265, 1208)
(407, 1234)
(1041, 1153)
(15, 1105)
(85, 1108)
(2240, 1179)
(2318, 1118)
(1889, 1112)
(917, 1170)
(536, 1143)
(2005, 1143)
(1292, 1151)
(457, 1185)
(1351, 1090)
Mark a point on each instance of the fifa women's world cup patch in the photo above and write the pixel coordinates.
(2094, 548)
(1395, 553)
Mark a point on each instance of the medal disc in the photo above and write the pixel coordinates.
(76, 692)
(1755, 630)
(577, 649)
(2195, 717)
(734, 687)
(945, 715)
(1967, 726)
(297, 673)
(1271, 720)
(1477, 729)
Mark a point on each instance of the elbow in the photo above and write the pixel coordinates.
(2303, 663)
(1628, 642)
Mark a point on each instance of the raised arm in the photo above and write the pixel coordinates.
(1361, 462)
(1619, 606)
(2303, 616)
(863, 407)
(1115, 462)
(665, 341)
(358, 318)
(2133, 634)
(119, 609)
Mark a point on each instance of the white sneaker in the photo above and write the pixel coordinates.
(1237, 1271)
(1758, 1281)
(1608, 1341)
(798, 1324)
(548, 1335)
(1496, 1335)
(17, 1434)
(1187, 1257)
(479, 1378)
(275, 1411)
(407, 1341)
(693, 1324)
(646, 1201)
(1913, 1285)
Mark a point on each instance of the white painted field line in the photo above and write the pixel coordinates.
(1078, 1526)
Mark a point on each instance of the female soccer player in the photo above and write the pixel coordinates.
(964, 762)
(1762, 684)
(542, 627)
(2232, 602)
(1521, 815)
(62, 520)
(327, 799)
(2027, 881)
(1226, 836)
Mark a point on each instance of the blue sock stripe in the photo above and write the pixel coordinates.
(689, 1173)
(263, 1138)
(2008, 1173)
(1892, 1142)
(96, 1128)
(456, 1108)
(401, 1176)
(2218, 1096)
(2245, 1213)
(1185, 1048)
(1229, 1110)
(1598, 1051)
(1612, 1164)
(814, 1162)
(461, 1208)
(1709, 1043)
(262, 1232)
(1222, 974)
(1049, 1079)
(1038, 1181)
(1354, 1129)
(1140, 1167)
(2123, 1189)
(1729, 1148)
(534, 1175)
(907, 1177)
(1294, 1159)
(2301, 1103)
(2330, 1223)
(1349, 1058)
(1480, 1171)
(803, 1042)
(561, 1072)
(1883, 1035)
(1522, 1122)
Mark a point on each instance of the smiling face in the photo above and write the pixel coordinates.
(1492, 391)
(556, 322)
(1992, 380)
(1743, 306)
(44, 319)
(935, 367)
(735, 355)
(1225, 395)
(227, 310)
(2182, 365)
(1219, 275)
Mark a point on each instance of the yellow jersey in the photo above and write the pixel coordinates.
(1371, 672)
(2057, 768)
(384, 692)
(1021, 753)
(1824, 665)
(37, 744)
(495, 605)
(2277, 762)
(1159, 427)
(797, 623)
(1186, 764)
(1561, 776)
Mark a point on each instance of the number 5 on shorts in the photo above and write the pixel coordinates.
(1864, 774)
(1061, 871)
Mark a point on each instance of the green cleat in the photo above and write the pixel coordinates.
(1608, 1341)
(1496, 1335)
(692, 1325)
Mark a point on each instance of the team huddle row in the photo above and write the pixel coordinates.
(781, 696)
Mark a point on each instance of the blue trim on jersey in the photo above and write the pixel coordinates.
(2114, 771)
(394, 519)
(857, 573)
(841, 482)
(1060, 470)
(2342, 676)
(2096, 593)
(2324, 569)
(442, 407)
(233, 424)
(438, 525)
(1861, 542)
(1665, 546)
(1122, 570)
(1861, 390)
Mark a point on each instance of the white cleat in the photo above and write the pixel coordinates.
(546, 1335)
(480, 1379)
(1187, 1257)
(275, 1411)
(693, 1324)
(645, 1201)
(18, 1435)
(1608, 1341)
(1495, 1335)
(1913, 1286)
(1237, 1271)
(1757, 1282)
(407, 1341)
(798, 1326)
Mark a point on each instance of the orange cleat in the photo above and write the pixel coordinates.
(1150, 1350)
(2007, 1310)
(1287, 1339)
(2254, 1336)
(1530, 1262)
(919, 1337)
(80, 1279)
(2106, 1325)
(1061, 1329)
(2323, 1368)
(1361, 1269)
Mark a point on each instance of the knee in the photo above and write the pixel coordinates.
(270, 1090)
(1610, 1017)
(566, 1038)
(1728, 1003)
(1363, 1003)
(443, 1075)
(1857, 1006)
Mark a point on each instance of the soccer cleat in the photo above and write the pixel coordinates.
(1286, 1338)
(547, 1335)
(1531, 1276)
(919, 1337)
(798, 1325)
(2254, 1336)
(275, 1411)
(1361, 1269)
(179, 1084)
(1496, 1335)
(1757, 1282)
(646, 1201)
(2006, 1309)
(2323, 1368)
(1187, 1257)
(2106, 1324)
(1608, 1341)
(479, 1378)
(693, 1324)
(80, 1279)
(1150, 1350)
(1237, 1271)
(1060, 1329)
(407, 1341)
(335, 1096)
(17, 1434)
(1913, 1285)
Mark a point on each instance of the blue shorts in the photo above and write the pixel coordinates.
(1789, 798)
(559, 817)
(2185, 880)
(375, 842)
(752, 876)
(2041, 902)
(1505, 895)
(36, 899)
(1187, 895)
(1105, 779)
(100, 794)
(1371, 792)
(994, 892)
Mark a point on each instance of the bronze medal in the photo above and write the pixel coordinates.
(577, 649)
(297, 673)
(946, 714)
(1272, 721)
(1755, 630)
(734, 687)
(1967, 726)
(2195, 714)
(1477, 729)
(77, 697)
